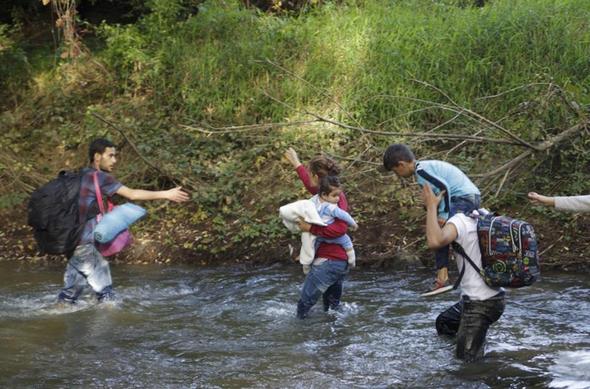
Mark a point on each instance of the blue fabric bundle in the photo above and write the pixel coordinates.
(119, 219)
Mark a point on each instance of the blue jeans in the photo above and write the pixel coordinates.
(324, 279)
(464, 204)
(86, 266)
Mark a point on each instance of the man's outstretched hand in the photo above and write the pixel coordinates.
(536, 198)
(177, 195)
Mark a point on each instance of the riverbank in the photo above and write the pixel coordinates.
(381, 243)
(211, 102)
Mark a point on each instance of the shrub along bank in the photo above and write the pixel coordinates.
(212, 100)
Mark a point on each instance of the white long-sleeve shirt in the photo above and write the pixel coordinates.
(573, 203)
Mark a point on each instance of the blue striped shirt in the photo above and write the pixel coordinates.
(441, 176)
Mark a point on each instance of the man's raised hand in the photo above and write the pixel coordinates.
(429, 198)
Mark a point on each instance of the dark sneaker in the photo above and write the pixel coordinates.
(107, 294)
(65, 300)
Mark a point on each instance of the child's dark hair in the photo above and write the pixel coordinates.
(321, 166)
(395, 154)
(98, 146)
(328, 184)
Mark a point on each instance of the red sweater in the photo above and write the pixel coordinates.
(334, 230)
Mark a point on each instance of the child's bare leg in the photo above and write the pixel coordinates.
(442, 275)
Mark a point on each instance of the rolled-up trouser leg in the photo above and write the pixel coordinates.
(74, 284)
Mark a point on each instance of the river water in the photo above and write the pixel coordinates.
(182, 326)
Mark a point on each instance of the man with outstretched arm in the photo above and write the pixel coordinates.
(87, 265)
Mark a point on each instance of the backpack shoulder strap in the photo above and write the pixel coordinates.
(459, 249)
(98, 192)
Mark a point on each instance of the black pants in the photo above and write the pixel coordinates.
(470, 320)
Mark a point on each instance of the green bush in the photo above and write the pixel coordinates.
(14, 67)
(388, 65)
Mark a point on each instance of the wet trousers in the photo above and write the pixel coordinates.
(470, 320)
(86, 267)
(323, 280)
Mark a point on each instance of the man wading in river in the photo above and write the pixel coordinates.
(87, 265)
(480, 305)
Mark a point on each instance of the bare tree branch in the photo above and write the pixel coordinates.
(406, 134)
(210, 130)
(477, 116)
(514, 90)
(163, 173)
(547, 144)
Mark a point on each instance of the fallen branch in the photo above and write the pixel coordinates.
(551, 245)
(477, 116)
(459, 110)
(411, 134)
(210, 130)
(547, 144)
(502, 183)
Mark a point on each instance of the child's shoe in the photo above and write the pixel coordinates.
(439, 284)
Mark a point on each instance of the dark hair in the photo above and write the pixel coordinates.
(98, 146)
(328, 184)
(322, 166)
(395, 154)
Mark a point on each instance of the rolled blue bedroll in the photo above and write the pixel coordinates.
(119, 219)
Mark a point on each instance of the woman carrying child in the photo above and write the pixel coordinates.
(330, 263)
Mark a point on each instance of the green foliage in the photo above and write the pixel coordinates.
(14, 66)
(11, 200)
(387, 65)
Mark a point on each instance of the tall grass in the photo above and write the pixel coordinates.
(358, 51)
(363, 62)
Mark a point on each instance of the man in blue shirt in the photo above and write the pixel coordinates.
(459, 193)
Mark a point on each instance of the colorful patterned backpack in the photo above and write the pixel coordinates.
(509, 252)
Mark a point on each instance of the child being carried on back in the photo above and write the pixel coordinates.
(321, 209)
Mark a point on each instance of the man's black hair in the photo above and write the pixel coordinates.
(395, 154)
(98, 146)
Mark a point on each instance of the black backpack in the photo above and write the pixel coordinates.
(53, 212)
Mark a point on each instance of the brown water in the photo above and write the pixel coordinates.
(183, 327)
